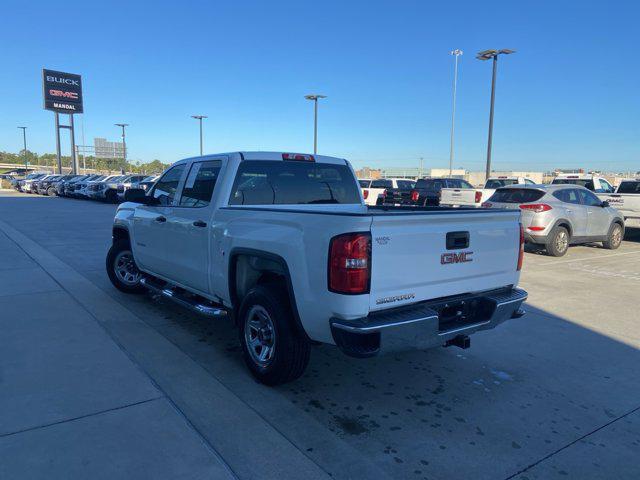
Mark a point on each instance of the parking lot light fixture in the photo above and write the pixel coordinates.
(456, 53)
(199, 118)
(492, 55)
(315, 98)
(124, 142)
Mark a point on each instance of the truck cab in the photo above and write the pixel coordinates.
(594, 183)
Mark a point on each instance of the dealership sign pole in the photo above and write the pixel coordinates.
(62, 93)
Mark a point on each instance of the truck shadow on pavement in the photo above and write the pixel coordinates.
(521, 392)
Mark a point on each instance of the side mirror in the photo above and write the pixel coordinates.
(138, 195)
(604, 204)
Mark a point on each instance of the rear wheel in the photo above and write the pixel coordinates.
(614, 240)
(122, 269)
(51, 191)
(273, 350)
(558, 242)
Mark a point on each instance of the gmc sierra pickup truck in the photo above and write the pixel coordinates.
(284, 245)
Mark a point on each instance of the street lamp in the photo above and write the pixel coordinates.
(24, 139)
(488, 55)
(315, 98)
(456, 53)
(124, 141)
(199, 118)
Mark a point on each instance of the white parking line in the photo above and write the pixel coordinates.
(588, 259)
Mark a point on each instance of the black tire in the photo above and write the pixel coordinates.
(558, 242)
(119, 252)
(111, 196)
(289, 353)
(51, 191)
(614, 239)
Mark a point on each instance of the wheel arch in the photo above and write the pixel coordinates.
(250, 267)
(563, 222)
(120, 233)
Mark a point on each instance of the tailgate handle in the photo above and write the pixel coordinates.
(457, 240)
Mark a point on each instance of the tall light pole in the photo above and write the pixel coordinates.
(315, 98)
(124, 141)
(199, 118)
(24, 140)
(456, 53)
(487, 55)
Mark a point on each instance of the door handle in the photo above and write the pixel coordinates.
(199, 223)
(161, 219)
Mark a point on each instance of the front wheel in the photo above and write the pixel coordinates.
(122, 269)
(272, 348)
(614, 240)
(558, 243)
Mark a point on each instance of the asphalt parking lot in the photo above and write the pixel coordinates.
(555, 394)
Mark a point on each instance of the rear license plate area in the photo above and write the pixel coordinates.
(461, 313)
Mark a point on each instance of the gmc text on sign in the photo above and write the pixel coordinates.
(62, 91)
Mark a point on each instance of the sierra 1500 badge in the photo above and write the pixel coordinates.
(450, 257)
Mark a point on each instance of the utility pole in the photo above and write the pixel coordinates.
(315, 98)
(488, 55)
(24, 140)
(199, 118)
(456, 53)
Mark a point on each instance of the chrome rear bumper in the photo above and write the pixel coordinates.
(428, 324)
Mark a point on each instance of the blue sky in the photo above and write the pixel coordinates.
(568, 97)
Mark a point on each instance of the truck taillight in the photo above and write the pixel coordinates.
(521, 252)
(350, 263)
(536, 207)
(365, 193)
(414, 195)
(478, 196)
(384, 194)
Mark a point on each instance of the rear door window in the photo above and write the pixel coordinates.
(629, 187)
(516, 195)
(260, 182)
(568, 195)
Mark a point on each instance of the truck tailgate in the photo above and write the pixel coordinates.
(423, 256)
(459, 196)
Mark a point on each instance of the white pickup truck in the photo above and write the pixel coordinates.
(284, 244)
(590, 181)
(626, 199)
(472, 197)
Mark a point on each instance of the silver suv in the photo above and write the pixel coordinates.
(557, 216)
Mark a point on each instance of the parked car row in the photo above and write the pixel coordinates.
(107, 188)
(573, 209)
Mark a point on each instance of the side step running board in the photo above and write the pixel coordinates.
(192, 302)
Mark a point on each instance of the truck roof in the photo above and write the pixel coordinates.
(245, 155)
(579, 176)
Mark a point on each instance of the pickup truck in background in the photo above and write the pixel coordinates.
(284, 245)
(591, 182)
(373, 195)
(458, 197)
(627, 200)
(426, 192)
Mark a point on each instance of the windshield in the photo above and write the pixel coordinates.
(499, 182)
(406, 184)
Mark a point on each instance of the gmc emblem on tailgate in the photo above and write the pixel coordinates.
(462, 257)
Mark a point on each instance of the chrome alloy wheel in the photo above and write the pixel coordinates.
(259, 335)
(125, 268)
(562, 241)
